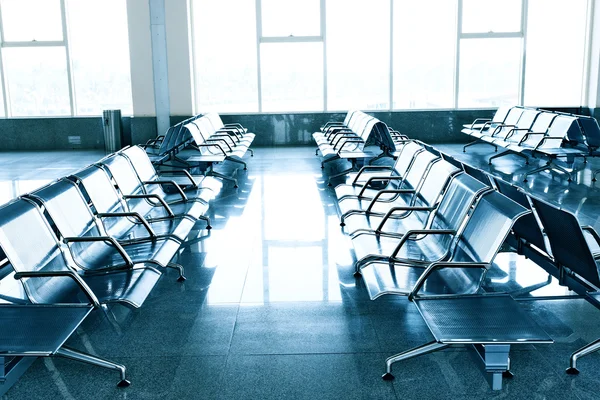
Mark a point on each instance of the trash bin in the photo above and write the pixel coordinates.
(113, 130)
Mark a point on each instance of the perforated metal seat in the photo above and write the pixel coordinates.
(414, 216)
(149, 204)
(366, 174)
(80, 230)
(42, 330)
(194, 187)
(405, 194)
(433, 240)
(116, 216)
(47, 277)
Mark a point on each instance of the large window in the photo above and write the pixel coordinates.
(334, 55)
(63, 57)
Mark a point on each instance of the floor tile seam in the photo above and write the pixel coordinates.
(329, 353)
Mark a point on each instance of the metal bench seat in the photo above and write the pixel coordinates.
(429, 194)
(405, 194)
(430, 242)
(47, 276)
(366, 175)
(200, 188)
(573, 262)
(193, 186)
(332, 124)
(81, 233)
(519, 140)
(151, 205)
(483, 123)
(490, 322)
(41, 331)
(117, 218)
(490, 130)
(136, 172)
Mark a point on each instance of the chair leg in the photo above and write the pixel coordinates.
(251, 152)
(584, 351)
(90, 359)
(224, 177)
(417, 351)
(594, 174)
(235, 160)
(207, 220)
(179, 268)
(508, 152)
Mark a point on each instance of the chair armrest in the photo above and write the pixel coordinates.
(211, 145)
(387, 191)
(105, 239)
(530, 134)
(479, 120)
(441, 265)
(378, 178)
(71, 274)
(170, 183)
(211, 139)
(549, 138)
(393, 210)
(370, 167)
(350, 140)
(152, 196)
(412, 232)
(187, 174)
(136, 215)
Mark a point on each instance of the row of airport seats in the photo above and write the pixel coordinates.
(103, 235)
(429, 228)
(530, 132)
(200, 142)
(347, 139)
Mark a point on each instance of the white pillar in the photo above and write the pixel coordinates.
(140, 50)
(179, 57)
(160, 65)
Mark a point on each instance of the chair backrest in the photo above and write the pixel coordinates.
(30, 245)
(349, 117)
(591, 130)
(487, 227)
(501, 114)
(462, 192)
(417, 171)
(406, 157)
(123, 174)
(215, 120)
(513, 116)
(565, 126)
(194, 132)
(543, 121)
(141, 163)
(68, 209)
(567, 241)
(526, 227)
(527, 118)
(478, 174)
(435, 182)
(99, 188)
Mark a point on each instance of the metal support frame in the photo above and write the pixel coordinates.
(507, 153)
(550, 166)
(71, 354)
(496, 362)
(12, 370)
(473, 143)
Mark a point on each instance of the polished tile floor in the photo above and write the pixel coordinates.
(271, 310)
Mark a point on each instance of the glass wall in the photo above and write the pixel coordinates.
(334, 55)
(64, 57)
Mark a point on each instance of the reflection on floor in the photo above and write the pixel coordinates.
(271, 310)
